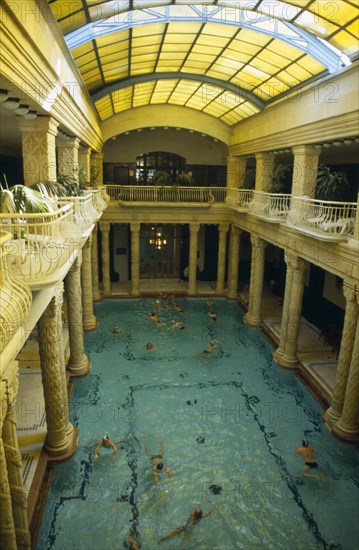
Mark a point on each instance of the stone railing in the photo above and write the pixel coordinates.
(169, 194)
(239, 199)
(273, 207)
(100, 198)
(84, 212)
(15, 296)
(332, 220)
(40, 245)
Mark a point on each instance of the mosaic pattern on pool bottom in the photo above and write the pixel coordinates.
(229, 422)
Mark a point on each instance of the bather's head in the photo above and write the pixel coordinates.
(305, 443)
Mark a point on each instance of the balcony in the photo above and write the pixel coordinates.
(85, 214)
(100, 199)
(40, 247)
(15, 296)
(146, 195)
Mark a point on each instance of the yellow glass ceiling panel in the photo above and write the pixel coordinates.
(206, 49)
(89, 66)
(310, 64)
(298, 72)
(219, 30)
(287, 51)
(115, 49)
(259, 40)
(288, 79)
(86, 60)
(168, 64)
(184, 28)
(114, 38)
(243, 81)
(216, 41)
(344, 41)
(175, 48)
(148, 30)
(82, 50)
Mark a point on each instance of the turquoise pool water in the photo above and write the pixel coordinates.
(229, 422)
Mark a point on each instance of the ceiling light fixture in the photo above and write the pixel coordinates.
(4, 94)
(31, 115)
(22, 109)
(12, 103)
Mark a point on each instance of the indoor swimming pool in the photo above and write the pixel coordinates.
(226, 423)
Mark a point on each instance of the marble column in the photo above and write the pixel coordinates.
(38, 148)
(221, 268)
(135, 258)
(348, 425)
(94, 265)
(89, 320)
(14, 470)
(97, 168)
(233, 264)
(7, 525)
(192, 264)
(332, 415)
(68, 157)
(85, 163)
(236, 169)
(79, 363)
(305, 170)
(59, 439)
(253, 316)
(286, 356)
(264, 171)
(105, 257)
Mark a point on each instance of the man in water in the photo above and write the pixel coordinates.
(307, 452)
(107, 443)
(158, 465)
(196, 515)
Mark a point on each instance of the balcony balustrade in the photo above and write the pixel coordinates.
(99, 199)
(147, 194)
(84, 212)
(41, 244)
(15, 296)
(239, 199)
(273, 207)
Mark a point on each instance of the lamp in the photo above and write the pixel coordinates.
(4, 94)
(12, 103)
(22, 109)
(31, 115)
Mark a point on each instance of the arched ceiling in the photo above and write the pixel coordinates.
(228, 59)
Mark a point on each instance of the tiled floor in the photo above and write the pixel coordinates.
(318, 366)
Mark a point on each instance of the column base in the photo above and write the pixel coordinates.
(81, 369)
(232, 295)
(345, 433)
(96, 297)
(330, 418)
(91, 323)
(191, 292)
(69, 448)
(252, 321)
(285, 362)
(135, 293)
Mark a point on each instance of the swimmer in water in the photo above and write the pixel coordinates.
(116, 329)
(158, 464)
(211, 346)
(107, 443)
(150, 346)
(307, 452)
(196, 516)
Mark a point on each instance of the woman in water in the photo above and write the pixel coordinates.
(196, 515)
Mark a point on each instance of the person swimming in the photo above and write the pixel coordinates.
(107, 443)
(308, 453)
(158, 464)
(211, 346)
(195, 517)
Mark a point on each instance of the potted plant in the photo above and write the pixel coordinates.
(162, 179)
(20, 199)
(331, 185)
(281, 182)
(184, 179)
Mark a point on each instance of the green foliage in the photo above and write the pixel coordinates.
(331, 186)
(49, 188)
(162, 178)
(21, 199)
(249, 178)
(70, 185)
(280, 180)
(184, 179)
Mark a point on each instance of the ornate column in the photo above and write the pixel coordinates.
(192, 264)
(356, 226)
(253, 316)
(97, 167)
(332, 415)
(135, 258)
(7, 525)
(305, 170)
(79, 363)
(277, 355)
(289, 358)
(348, 426)
(68, 157)
(222, 229)
(236, 169)
(105, 256)
(85, 162)
(94, 265)
(14, 470)
(264, 171)
(89, 320)
(59, 439)
(38, 148)
(233, 264)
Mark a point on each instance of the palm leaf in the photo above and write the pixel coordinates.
(49, 188)
(29, 200)
(7, 204)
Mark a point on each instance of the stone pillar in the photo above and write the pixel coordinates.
(14, 471)
(60, 433)
(7, 525)
(68, 157)
(286, 354)
(305, 170)
(97, 168)
(105, 256)
(264, 171)
(135, 258)
(79, 363)
(94, 265)
(89, 320)
(192, 264)
(233, 264)
(253, 316)
(221, 268)
(348, 426)
(332, 415)
(85, 162)
(236, 170)
(177, 251)
(38, 148)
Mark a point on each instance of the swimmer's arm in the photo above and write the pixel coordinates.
(155, 476)
(211, 510)
(96, 450)
(169, 472)
(115, 449)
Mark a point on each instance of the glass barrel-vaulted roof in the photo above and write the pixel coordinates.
(227, 59)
